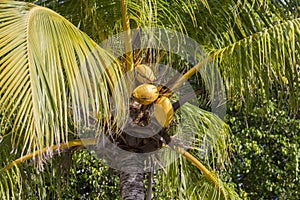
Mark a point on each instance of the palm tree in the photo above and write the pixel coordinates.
(56, 83)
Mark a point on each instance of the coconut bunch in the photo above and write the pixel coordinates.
(151, 113)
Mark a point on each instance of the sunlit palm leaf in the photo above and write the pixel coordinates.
(254, 44)
(264, 61)
(185, 181)
(50, 71)
(102, 19)
(203, 132)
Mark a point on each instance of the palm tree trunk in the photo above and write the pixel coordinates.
(132, 179)
(132, 186)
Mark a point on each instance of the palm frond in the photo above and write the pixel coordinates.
(10, 180)
(184, 181)
(263, 62)
(10, 184)
(203, 132)
(49, 72)
(23, 181)
(103, 19)
(198, 137)
(253, 44)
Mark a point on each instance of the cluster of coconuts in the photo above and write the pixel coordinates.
(147, 93)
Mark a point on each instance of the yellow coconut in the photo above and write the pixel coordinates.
(163, 111)
(144, 74)
(145, 93)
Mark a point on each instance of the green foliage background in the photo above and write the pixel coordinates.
(266, 150)
(90, 178)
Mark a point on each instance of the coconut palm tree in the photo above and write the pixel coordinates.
(60, 90)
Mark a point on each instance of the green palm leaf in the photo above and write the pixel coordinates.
(262, 62)
(185, 181)
(210, 145)
(49, 72)
(205, 133)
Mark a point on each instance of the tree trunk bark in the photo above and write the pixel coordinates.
(132, 186)
(132, 177)
(130, 162)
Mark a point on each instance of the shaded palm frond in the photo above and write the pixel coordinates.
(233, 20)
(11, 183)
(23, 181)
(10, 180)
(49, 72)
(86, 16)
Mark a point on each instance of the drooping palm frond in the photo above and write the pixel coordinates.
(254, 45)
(10, 180)
(203, 132)
(10, 184)
(264, 62)
(201, 139)
(50, 73)
(185, 181)
(20, 180)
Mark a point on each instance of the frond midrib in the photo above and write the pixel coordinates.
(255, 36)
